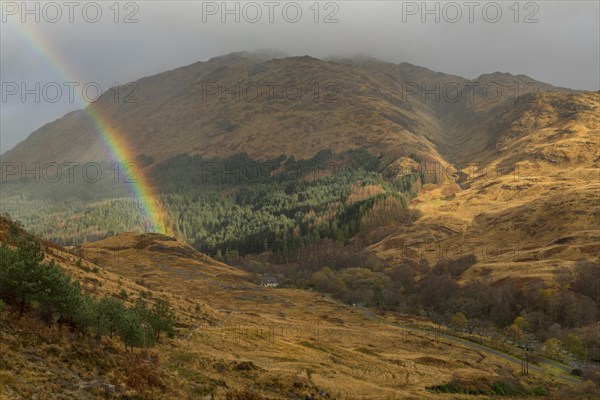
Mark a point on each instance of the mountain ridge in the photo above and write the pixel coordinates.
(381, 95)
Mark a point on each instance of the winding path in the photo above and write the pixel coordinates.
(564, 371)
(544, 363)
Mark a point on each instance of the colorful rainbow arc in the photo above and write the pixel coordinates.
(115, 143)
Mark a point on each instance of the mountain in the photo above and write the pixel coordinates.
(344, 104)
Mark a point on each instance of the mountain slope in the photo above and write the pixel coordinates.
(346, 104)
(534, 183)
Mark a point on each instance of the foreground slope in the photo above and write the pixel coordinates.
(300, 337)
(234, 339)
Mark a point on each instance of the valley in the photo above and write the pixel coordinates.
(236, 337)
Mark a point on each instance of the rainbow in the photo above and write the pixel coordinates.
(117, 147)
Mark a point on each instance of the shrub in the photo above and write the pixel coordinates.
(552, 347)
(574, 345)
(243, 395)
(506, 387)
(576, 372)
(6, 377)
(539, 391)
(144, 372)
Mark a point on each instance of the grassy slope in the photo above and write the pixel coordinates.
(293, 335)
(243, 338)
(525, 208)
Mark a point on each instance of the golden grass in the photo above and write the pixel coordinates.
(273, 339)
(527, 207)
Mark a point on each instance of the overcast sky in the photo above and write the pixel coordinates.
(552, 41)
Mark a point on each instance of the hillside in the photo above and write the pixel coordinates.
(526, 206)
(234, 340)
